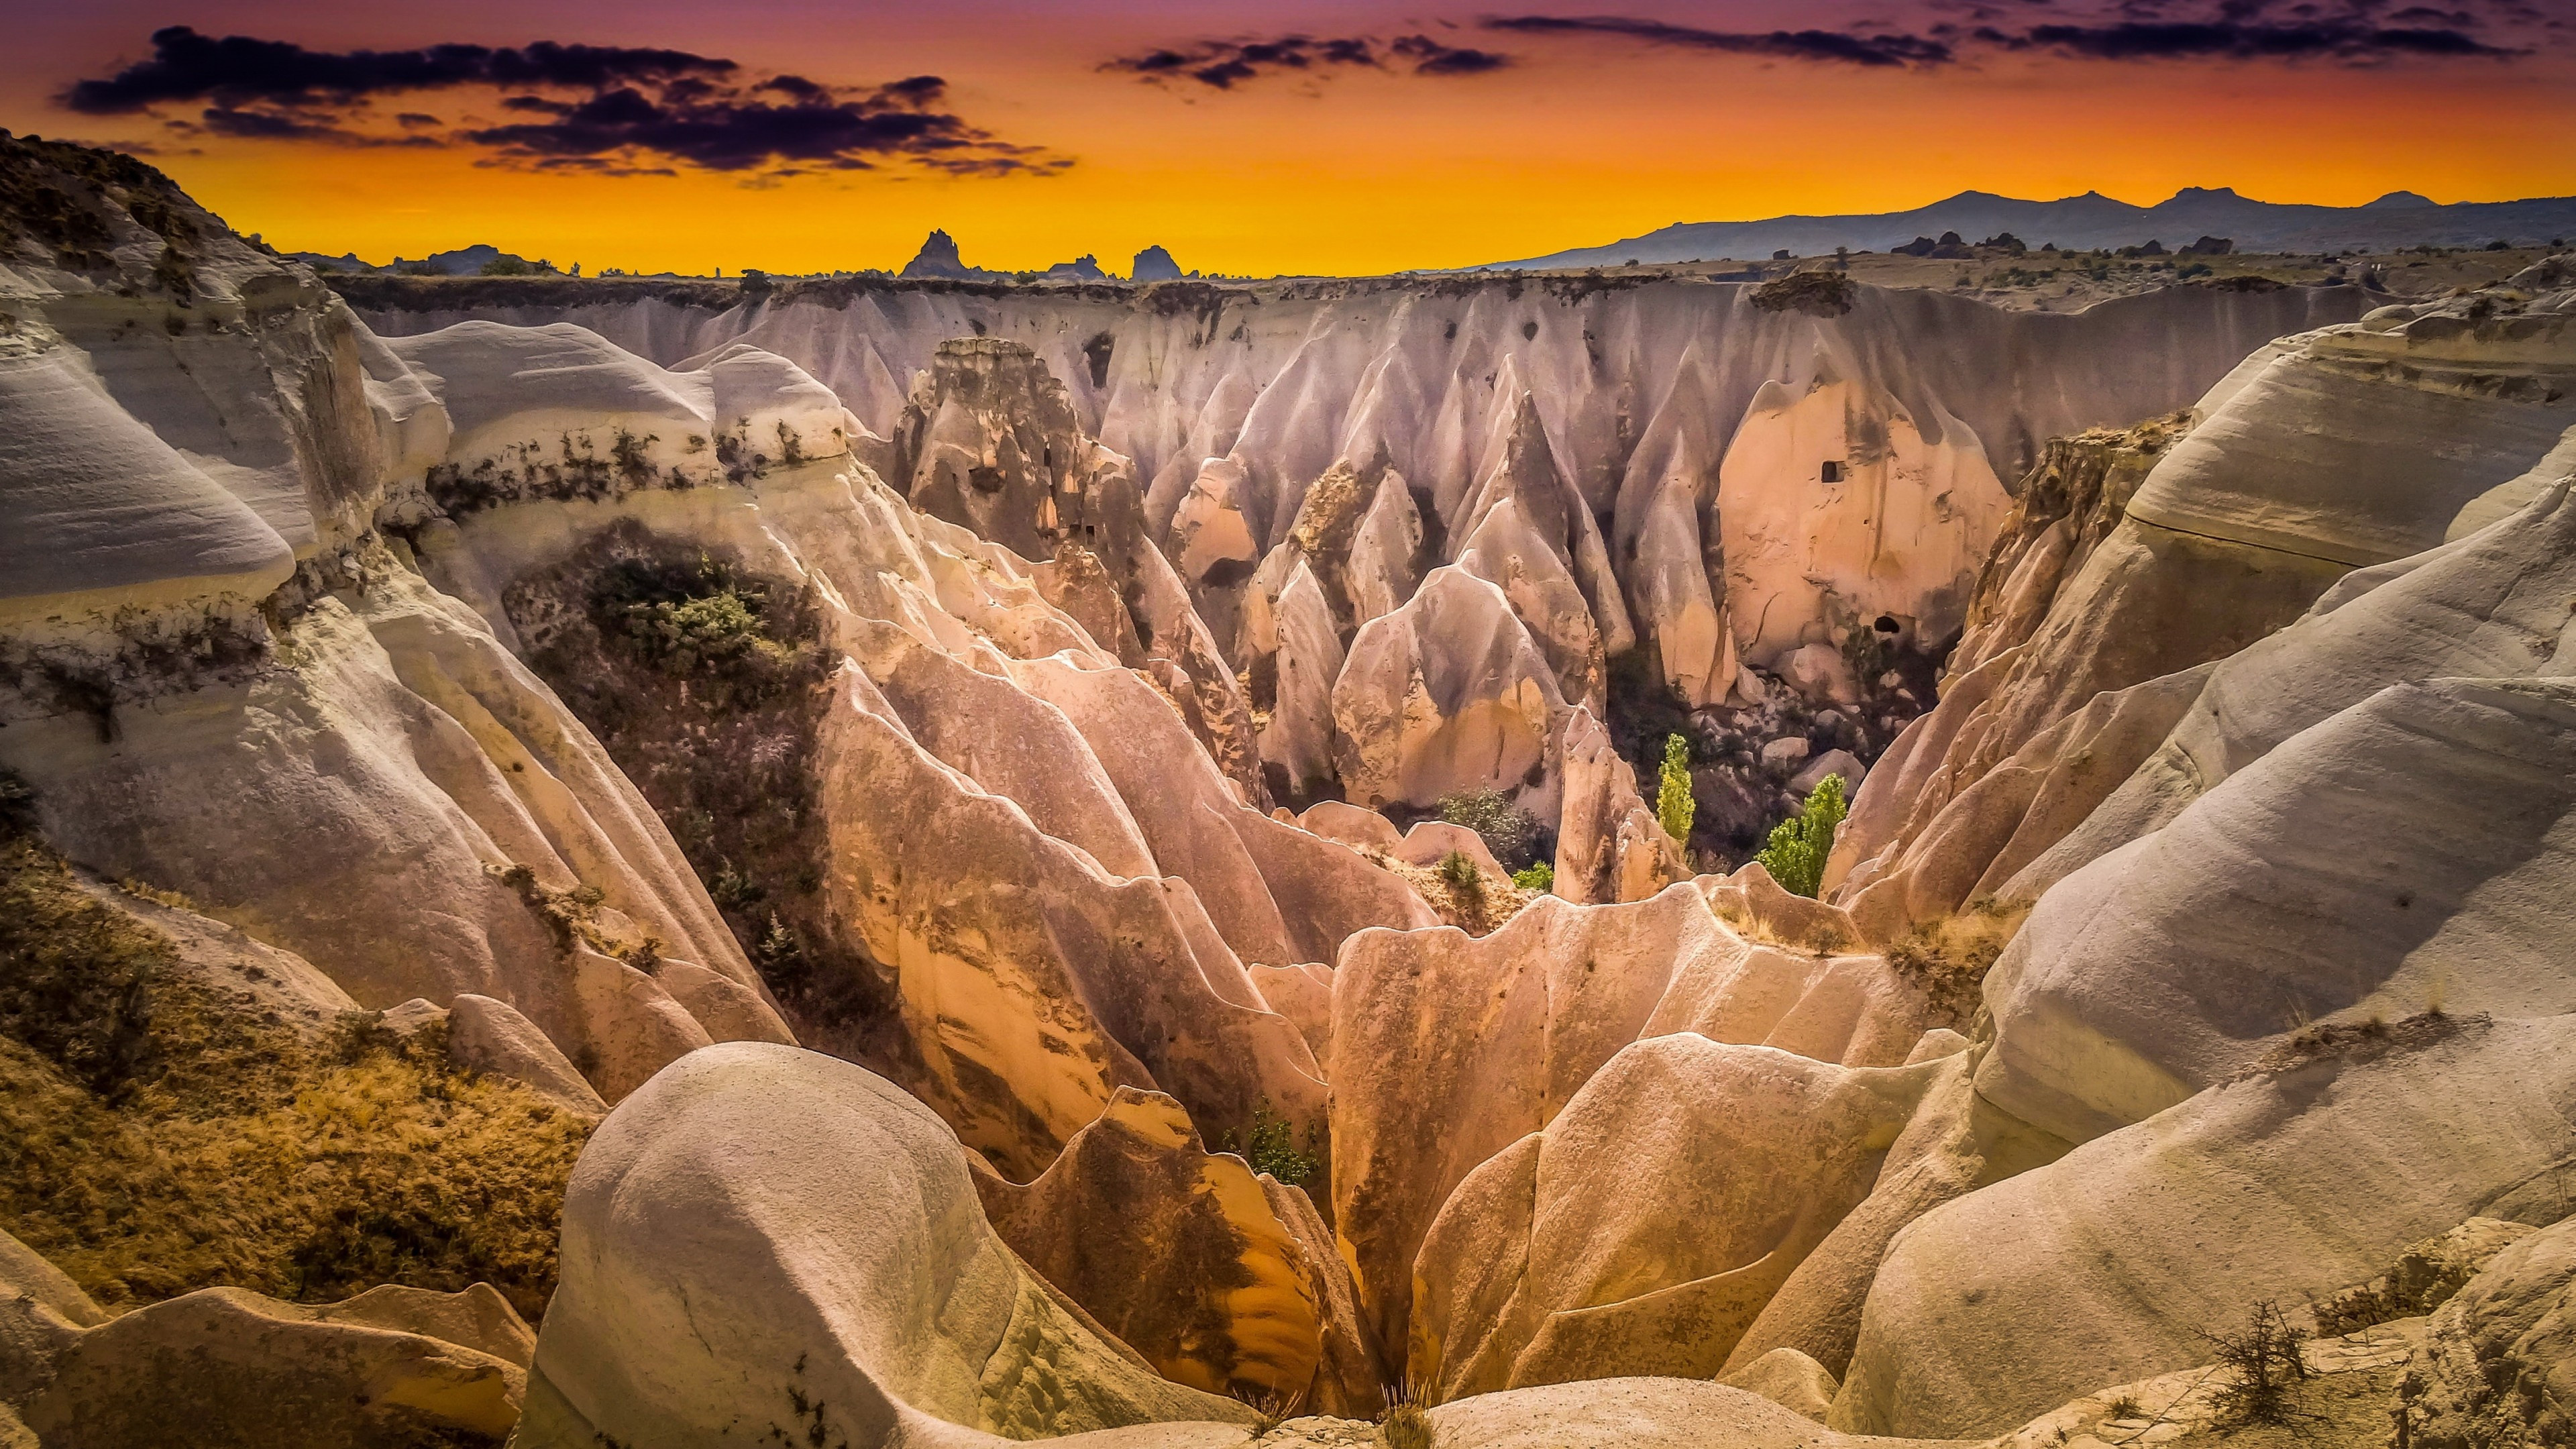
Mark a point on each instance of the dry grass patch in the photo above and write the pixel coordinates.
(1471, 900)
(155, 1139)
(1949, 957)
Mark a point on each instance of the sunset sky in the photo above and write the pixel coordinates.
(1326, 137)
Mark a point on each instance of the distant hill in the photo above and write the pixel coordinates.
(480, 259)
(2399, 219)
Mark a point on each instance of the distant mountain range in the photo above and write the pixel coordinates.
(474, 261)
(2399, 219)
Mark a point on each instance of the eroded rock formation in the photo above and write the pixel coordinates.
(425, 751)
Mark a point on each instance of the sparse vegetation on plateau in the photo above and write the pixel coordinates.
(2264, 1367)
(1795, 854)
(1819, 294)
(156, 1139)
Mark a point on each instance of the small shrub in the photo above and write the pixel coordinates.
(1274, 1407)
(2266, 1367)
(1509, 831)
(2127, 1407)
(1458, 870)
(1540, 877)
(1674, 804)
(1406, 1426)
(1795, 855)
(1271, 1147)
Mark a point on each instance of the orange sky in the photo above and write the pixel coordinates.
(1581, 140)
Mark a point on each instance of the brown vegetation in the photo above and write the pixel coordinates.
(1949, 958)
(156, 1139)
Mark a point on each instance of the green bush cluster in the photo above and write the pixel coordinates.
(1271, 1146)
(1540, 877)
(1795, 855)
(707, 624)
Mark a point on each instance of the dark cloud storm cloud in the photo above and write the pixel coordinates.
(2358, 32)
(1834, 46)
(1225, 64)
(611, 109)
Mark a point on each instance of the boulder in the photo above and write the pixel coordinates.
(1790, 1379)
(1432, 841)
(1352, 826)
(1821, 673)
(1831, 762)
(1787, 750)
(763, 1236)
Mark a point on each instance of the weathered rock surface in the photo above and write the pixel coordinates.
(2306, 745)
(2307, 1175)
(351, 772)
(1184, 1257)
(222, 1367)
(838, 1273)
(1448, 694)
(1609, 845)
(1232, 400)
(2498, 1363)
(1645, 1226)
(1449, 1049)
(2106, 581)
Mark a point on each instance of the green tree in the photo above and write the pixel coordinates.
(1673, 803)
(1796, 853)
